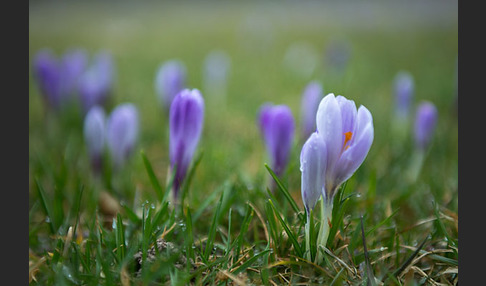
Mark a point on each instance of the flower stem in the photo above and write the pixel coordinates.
(326, 217)
(307, 238)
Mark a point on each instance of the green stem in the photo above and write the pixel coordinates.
(307, 237)
(326, 217)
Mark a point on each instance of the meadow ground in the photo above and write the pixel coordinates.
(229, 230)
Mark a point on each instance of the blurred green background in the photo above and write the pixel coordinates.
(384, 37)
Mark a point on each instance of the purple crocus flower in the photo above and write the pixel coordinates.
(425, 123)
(277, 127)
(122, 132)
(403, 87)
(347, 134)
(186, 117)
(311, 97)
(169, 81)
(96, 82)
(73, 65)
(94, 135)
(57, 78)
(47, 73)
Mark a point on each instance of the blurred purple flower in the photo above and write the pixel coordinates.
(73, 65)
(311, 97)
(186, 122)
(95, 84)
(425, 123)
(403, 88)
(277, 127)
(57, 78)
(313, 160)
(169, 81)
(122, 132)
(348, 133)
(94, 135)
(337, 54)
(47, 73)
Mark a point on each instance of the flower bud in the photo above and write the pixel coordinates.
(186, 122)
(122, 132)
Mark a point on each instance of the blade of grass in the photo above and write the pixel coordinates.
(187, 181)
(397, 272)
(189, 237)
(286, 193)
(153, 178)
(244, 228)
(369, 271)
(212, 230)
(290, 234)
(46, 207)
(249, 262)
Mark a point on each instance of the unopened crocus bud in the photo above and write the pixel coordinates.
(73, 65)
(47, 73)
(311, 97)
(96, 82)
(425, 123)
(313, 163)
(403, 89)
(169, 81)
(277, 127)
(186, 117)
(94, 135)
(122, 132)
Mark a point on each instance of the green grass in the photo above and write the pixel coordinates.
(230, 229)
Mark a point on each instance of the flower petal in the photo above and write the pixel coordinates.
(313, 167)
(330, 126)
(354, 156)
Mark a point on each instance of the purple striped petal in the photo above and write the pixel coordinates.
(313, 159)
(186, 117)
(330, 125)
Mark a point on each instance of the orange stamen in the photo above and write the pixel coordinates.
(347, 137)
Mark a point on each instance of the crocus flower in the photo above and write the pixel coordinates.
(425, 123)
(73, 65)
(277, 127)
(96, 82)
(313, 160)
(186, 122)
(57, 78)
(403, 88)
(169, 81)
(47, 73)
(311, 97)
(347, 134)
(94, 135)
(122, 132)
